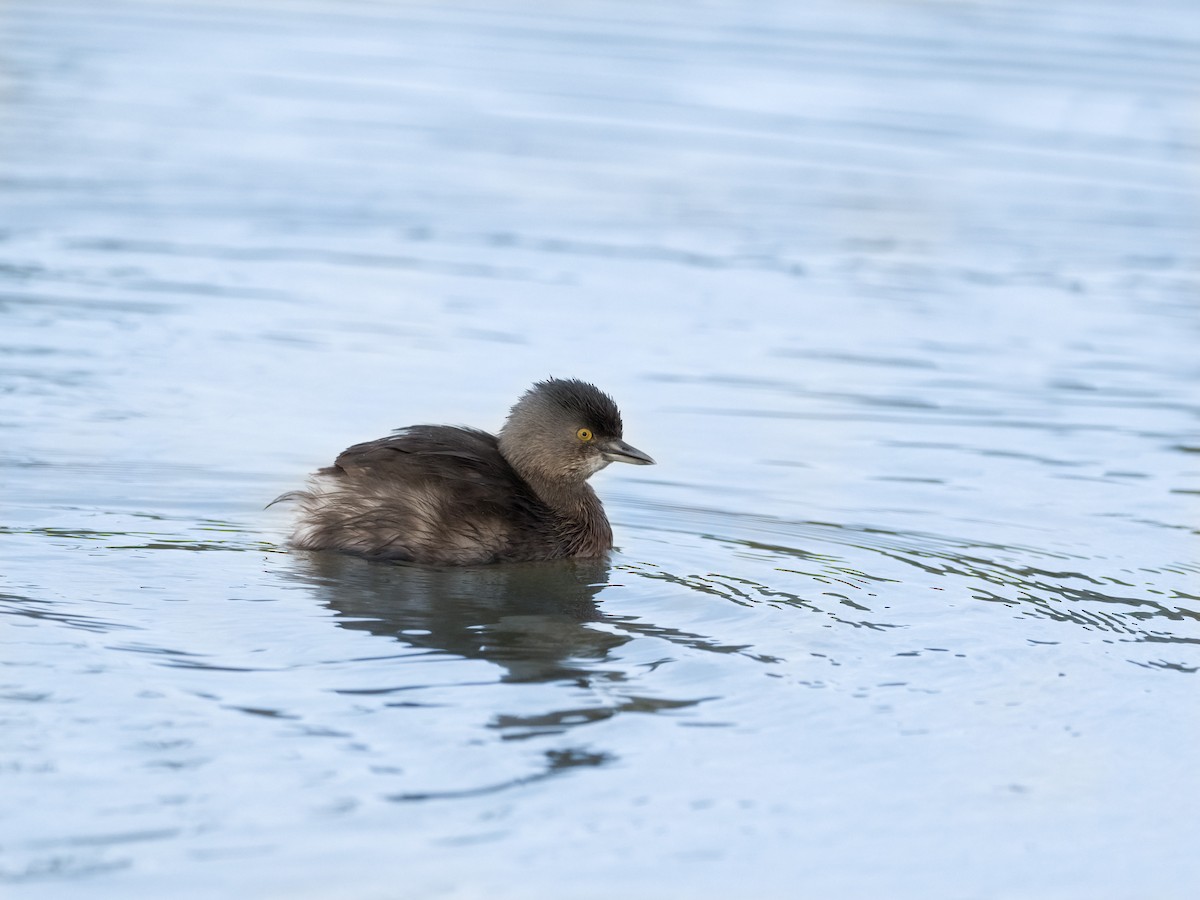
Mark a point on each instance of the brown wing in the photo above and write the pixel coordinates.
(430, 493)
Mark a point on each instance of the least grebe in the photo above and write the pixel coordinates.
(446, 495)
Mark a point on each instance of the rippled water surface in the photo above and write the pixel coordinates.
(902, 297)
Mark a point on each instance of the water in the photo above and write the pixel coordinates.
(902, 297)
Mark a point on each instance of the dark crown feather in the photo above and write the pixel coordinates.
(591, 404)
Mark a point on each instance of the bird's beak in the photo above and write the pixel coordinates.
(619, 451)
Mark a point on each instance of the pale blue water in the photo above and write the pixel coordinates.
(903, 299)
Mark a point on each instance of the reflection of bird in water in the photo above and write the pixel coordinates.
(458, 496)
(530, 618)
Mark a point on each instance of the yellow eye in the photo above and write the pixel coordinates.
(584, 434)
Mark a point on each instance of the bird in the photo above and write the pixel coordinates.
(447, 495)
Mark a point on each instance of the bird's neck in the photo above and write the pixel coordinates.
(570, 499)
(578, 506)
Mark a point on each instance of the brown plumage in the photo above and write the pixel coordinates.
(455, 496)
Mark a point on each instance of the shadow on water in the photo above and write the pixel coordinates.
(535, 620)
(539, 622)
